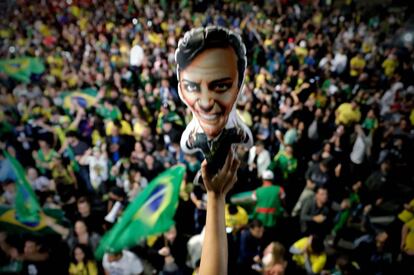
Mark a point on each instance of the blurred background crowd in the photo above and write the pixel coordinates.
(329, 96)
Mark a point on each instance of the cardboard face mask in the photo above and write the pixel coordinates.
(210, 69)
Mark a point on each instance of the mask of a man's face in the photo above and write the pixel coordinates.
(209, 87)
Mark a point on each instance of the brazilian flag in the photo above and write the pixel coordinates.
(22, 68)
(27, 214)
(150, 213)
(85, 98)
(11, 224)
(27, 206)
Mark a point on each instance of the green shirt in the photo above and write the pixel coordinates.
(268, 205)
(113, 114)
(286, 164)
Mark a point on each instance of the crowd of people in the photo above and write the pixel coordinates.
(328, 95)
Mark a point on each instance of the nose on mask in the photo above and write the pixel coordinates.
(205, 105)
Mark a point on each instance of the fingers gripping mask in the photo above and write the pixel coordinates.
(210, 70)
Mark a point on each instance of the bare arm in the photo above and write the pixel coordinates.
(214, 254)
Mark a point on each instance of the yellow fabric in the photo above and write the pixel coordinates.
(409, 240)
(5, 33)
(346, 115)
(97, 138)
(83, 23)
(389, 66)
(357, 64)
(44, 30)
(151, 240)
(125, 128)
(246, 117)
(317, 261)
(81, 269)
(238, 220)
(367, 47)
(139, 128)
(301, 53)
(405, 215)
(412, 117)
(109, 26)
(260, 80)
(60, 133)
(75, 11)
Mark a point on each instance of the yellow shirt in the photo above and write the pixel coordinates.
(389, 66)
(260, 80)
(81, 269)
(125, 128)
(357, 65)
(317, 261)
(409, 239)
(405, 215)
(301, 53)
(238, 220)
(139, 128)
(347, 115)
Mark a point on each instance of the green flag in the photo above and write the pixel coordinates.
(21, 68)
(27, 206)
(150, 213)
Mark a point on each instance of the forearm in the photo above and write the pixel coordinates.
(214, 253)
(36, 257)
(308, 266)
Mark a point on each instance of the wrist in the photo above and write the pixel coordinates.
(213, 196)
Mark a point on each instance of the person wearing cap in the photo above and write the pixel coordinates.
(269, 200)
(121, 262)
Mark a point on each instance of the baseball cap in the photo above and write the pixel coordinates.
(267, 175)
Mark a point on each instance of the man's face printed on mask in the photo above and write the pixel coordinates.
(209, 86)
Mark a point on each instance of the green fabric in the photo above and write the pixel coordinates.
(287, 165)
(370, 123)
(245, 200)
(150, 213)
(14, 267)
(345, 214)
(45, 158)
(27, 205)
(21, 68)
(343, 218)
(113, 114)
(268, 197)
(10, 224)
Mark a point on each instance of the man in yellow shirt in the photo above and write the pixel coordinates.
(309, 253)
(389, 65)
(357, 65)
(348, 113)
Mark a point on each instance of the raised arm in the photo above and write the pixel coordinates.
(214, 254)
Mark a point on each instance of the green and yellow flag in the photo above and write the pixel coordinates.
(26, 215)
(22, 68)
(151, 213)
(27, 207)
(85, 98)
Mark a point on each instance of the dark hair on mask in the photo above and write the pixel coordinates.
(197, 40)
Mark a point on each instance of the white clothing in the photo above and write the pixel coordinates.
(262, 162)
(129, 264)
